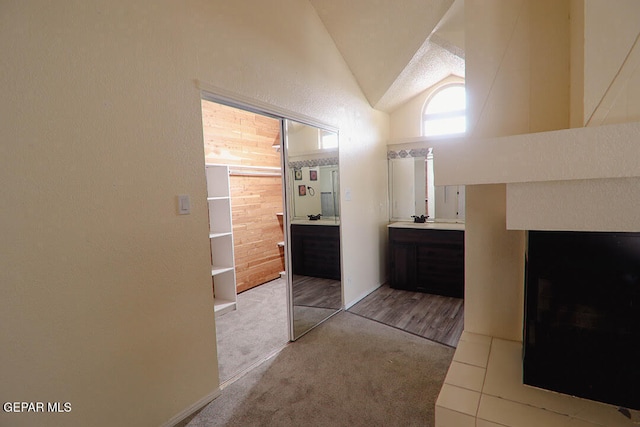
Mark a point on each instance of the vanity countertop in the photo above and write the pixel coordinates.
(331, 222)
(428, 225)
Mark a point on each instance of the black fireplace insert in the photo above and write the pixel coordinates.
(582, 315)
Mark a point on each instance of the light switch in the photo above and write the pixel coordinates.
(184, 204)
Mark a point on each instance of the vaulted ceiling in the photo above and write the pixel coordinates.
(396, 48)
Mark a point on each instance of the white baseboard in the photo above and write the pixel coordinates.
(193, 408)
(360, 298)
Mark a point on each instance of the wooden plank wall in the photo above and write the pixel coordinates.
(238, 137)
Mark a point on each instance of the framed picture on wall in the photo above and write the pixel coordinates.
(297, 173)
(302, 190)
(313, 175)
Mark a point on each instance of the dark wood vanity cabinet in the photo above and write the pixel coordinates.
(315, 250)
(427, 260)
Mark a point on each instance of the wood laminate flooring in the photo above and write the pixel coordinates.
(316, 292)
(434, 317)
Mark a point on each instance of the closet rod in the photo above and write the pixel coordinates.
(242, 170)
(249, 173)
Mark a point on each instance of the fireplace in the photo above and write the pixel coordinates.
(580, 337)
(582, 315)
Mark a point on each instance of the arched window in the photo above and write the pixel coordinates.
(444, 112)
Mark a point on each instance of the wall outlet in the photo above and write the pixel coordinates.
(347, 194)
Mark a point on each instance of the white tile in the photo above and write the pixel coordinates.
(504, 369)
(504, 379)
(472, 353)
(603, 414)
(448, 418)
(551, 400)
(465, 376)
(458, 399)
(579, 423)
(477, 338)
(513, 414)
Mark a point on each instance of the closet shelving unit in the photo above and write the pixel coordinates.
(223, 271)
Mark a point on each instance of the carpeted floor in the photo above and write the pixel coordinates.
(349, 371)
(256, 329)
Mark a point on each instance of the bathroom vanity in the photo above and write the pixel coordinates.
(316, 248)
(427, 257)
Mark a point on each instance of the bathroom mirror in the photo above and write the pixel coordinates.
(312, 194)
(408, 187)
(412, 191)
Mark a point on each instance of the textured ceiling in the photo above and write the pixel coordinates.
(396, 48)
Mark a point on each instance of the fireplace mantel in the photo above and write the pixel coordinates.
(582, 179)
(598, 152)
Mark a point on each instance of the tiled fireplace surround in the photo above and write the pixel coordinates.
(483, 388)
(584, 179)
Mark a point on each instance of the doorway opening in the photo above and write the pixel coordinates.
(245, 201)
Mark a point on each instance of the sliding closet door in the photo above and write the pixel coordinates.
(312, 195)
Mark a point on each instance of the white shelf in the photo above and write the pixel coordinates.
(215, 235)
(221, 306)
(216, 269)
(220, 215)
(221, 235)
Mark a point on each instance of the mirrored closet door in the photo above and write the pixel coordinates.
(312, 194)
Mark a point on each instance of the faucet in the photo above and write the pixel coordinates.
(420, 218)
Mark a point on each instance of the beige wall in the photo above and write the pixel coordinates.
(406, 120)
(611, 62)
(517, 66)
(107, 300)
(494, 267)
(599, 164)
(576, 64)
(517, 80)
